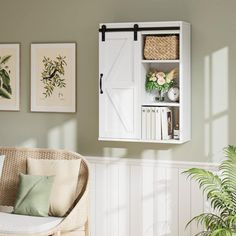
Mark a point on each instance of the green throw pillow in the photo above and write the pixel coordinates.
(33, 195)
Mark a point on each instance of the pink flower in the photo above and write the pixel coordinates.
(160, 75)
(161, 80)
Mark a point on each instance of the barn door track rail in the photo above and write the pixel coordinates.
(134, 29)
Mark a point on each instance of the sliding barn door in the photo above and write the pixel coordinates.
(118, 86)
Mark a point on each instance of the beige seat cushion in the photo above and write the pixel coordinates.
(66, 174)
(6, 209)
(13, 224)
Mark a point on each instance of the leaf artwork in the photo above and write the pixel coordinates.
(5, 79)
(53, 74)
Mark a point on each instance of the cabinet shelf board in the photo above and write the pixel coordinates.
(160, 61)
(161, 104)
(169, 141)
(154, 33)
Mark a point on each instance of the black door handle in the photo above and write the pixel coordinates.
(101, 75)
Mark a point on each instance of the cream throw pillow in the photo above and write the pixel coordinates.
(66, 174)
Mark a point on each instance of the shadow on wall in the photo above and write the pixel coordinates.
(63, 136)
(216, 102)
(165, 152)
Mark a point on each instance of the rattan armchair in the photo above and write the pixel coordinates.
(76, 221)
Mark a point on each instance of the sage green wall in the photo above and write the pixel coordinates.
(213, 73)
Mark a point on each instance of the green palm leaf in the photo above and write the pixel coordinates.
(211, 184)
(203, 233)
(228, 168)
(208, 220)
(221, 193)
(221, 232)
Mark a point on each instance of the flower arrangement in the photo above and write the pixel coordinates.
(161, 81)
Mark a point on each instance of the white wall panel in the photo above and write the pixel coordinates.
(131, 197)
(172, 200)
(161, 204)
(124, 200)
(136, 200)
(197, 204)
(101, 206)
(147, 201)
(184, 204)
(113, 199)
(92, 197)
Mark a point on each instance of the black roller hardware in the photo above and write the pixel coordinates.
(103, 32)
(135, 32)
(101, 75)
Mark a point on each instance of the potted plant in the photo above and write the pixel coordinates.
(160, 81)
(220, 190)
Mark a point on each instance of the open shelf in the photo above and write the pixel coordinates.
(160, 118)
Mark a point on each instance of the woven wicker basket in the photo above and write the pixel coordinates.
(161, 47)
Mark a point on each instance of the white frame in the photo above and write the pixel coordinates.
(57, 108)
(16, 106)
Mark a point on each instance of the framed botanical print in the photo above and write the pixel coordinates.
(10, 77)
(53, 77)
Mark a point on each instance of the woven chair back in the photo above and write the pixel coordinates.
(15, 163)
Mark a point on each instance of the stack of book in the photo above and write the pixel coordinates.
(157, 123)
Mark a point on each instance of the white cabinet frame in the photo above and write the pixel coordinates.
(122, 71)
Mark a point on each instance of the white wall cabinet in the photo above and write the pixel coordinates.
(122, 78)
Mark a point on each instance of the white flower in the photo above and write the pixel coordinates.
(153, 78)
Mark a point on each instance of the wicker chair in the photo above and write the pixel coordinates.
(76, 222)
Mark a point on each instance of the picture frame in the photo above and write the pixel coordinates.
(53, 77)
(9, 76)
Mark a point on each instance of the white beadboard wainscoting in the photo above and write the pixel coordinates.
(136, 197)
